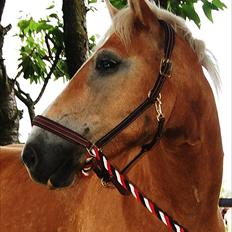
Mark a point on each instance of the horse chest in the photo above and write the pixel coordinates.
(105, 209)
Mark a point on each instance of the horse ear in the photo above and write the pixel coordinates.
(142, 11)
(112, 10)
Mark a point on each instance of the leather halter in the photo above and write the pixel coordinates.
(153, 97)
(95, 150)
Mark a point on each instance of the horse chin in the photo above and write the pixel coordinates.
(67, 180)
(57, 184)
(64, 176)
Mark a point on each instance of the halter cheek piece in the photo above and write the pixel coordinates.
(99, 161)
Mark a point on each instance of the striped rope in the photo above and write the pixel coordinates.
(128, 186)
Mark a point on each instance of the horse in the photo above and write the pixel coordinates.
(182, 172)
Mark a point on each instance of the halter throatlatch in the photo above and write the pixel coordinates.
(100, 163)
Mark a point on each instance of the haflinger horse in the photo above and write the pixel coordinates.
(114, 102)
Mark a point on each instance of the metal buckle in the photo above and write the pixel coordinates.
(107, 184)
(165, 67)
(89, 150)
(158, 107)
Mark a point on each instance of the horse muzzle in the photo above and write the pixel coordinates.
(53, 161)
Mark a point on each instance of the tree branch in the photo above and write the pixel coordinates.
(48, 46)
(23, 94)
(26, 99)
(6, 29)
(46, 80)
(2, 5)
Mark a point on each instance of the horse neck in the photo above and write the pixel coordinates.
(178, 171)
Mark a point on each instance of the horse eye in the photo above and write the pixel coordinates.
(107, 65)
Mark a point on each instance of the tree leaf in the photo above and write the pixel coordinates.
(50, 7)
(119, 3)
(23, 24)
(189, 12)
(92, 1)
(219, 4)
(36, 55)
(43, 26)
(54, 16)
(92, 42)
(207, 10)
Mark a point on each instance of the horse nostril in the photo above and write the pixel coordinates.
(29, 157)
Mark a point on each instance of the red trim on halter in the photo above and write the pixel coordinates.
(109, 168)
(168, 221)
(151, 206)
(94, 152)
(137, 195)
(123, 182)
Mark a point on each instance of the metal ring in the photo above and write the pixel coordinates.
(107, 184)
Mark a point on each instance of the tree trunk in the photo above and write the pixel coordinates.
(9, 114)
(76, 47)
(2, 4)
(75, 34)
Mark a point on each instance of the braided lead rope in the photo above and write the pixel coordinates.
(128, 186)
(120, 182)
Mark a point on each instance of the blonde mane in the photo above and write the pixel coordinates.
(122, 25)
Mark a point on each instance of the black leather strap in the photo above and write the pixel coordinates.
(146, 147)
(61, 131)
(165, 69)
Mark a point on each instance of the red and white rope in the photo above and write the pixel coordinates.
(128, 186)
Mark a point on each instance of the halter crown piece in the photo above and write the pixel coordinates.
(100, 163)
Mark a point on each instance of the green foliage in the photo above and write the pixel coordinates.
(42, 42)
(90, 6)
(187, 10)
(184, 8)
(92, 1)
(43, 39)
(119, 3)
(92, 42)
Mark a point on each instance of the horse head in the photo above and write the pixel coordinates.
(113, 81)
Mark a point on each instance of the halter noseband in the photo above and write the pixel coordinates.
(101, 165)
